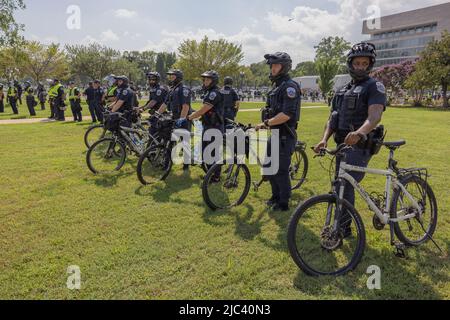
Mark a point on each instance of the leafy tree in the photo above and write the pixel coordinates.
(9, 28)
(327, 70)
(197, 57)
(419, 81)
(333, 48)
(40, 61)
(11, 60)
(306, 68)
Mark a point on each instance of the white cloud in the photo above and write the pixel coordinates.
(109, 35)
(124, 13)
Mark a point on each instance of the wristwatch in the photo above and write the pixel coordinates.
(266, 123)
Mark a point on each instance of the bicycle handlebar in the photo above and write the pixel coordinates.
(332, 152)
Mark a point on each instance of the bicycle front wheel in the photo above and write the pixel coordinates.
(105, 156)
(94, 134)
(316, 246)
(226, 186)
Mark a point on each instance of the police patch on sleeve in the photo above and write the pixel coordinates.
(125, 92)
(186, 92)
(158, 93)
(380, 87)
(212, 95)
(291, 93)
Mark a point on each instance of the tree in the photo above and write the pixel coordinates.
(435, 61)
(197, 57)
(9, 28)
(42, 61)
(333, 48)
(164, 62)
(418, 82)
(327, 70)
(11, 60)
(306, 68)
(92, 61)
(260, 73)
(393, 76)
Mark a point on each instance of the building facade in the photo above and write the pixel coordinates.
(404, 35)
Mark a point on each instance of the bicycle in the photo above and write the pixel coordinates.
(98, 131)
(232, 188)
(109, 154)
(318, 244)
(155, 163)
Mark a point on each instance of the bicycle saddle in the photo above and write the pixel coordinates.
(394, 144)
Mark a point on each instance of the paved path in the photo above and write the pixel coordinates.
(68, 119)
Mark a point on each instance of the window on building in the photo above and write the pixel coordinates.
(419, 30)
(427, 29)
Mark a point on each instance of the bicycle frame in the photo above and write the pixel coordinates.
(391, 183)
(125, 133)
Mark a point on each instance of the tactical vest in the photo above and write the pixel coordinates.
(112, 91)
(176, 108)
(53, 91)
(12, 92)
(228, 103)
(214, 117)
(72, 95)
(275, 99)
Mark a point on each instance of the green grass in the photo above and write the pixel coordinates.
(161, 242)
(24, 114)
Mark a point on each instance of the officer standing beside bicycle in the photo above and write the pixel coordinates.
(157, 93)
(356, 111)
(212, 112)
(124, 101)
(230, 99)
(98, 100)
(282, 113)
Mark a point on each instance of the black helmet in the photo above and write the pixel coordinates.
(154, 76)
(179, 76)
(27, 84)
(363, 49)
(124, 79)
(228, 81)
(279, 58)
(211, 74)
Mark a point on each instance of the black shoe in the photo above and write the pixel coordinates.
(271, 202)
(280, 207)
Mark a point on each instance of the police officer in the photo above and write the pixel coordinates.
(283, 113)
(75, 102)
(157, 93)
(57, 96)
(178, 99)
(89, 94)
(42, 94)
(97, 98)
(19, 91)
(2, 97)
(124, 101)
(357, 109)
(31, 100)
(230, 99)
(212, 111)
(110, 94)
(12, 98)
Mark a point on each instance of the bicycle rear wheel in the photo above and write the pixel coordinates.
(419, 229)
(299, 168)
(105, 156)
(226, 186)
(154, 165)
(315, 247)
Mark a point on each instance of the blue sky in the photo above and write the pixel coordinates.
(260, 26)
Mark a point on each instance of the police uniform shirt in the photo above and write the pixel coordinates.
(213, 98)
(178, 97)
(352, 104)
(98, 95)
(286, 98)
(59, 97)
(89, 92)
(74, 92)
(230, 97)
(125, 95)
(158, 94)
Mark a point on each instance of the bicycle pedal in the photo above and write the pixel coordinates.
(400, 250)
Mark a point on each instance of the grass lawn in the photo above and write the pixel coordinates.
(24, 114)
(161, 242)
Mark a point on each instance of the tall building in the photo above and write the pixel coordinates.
(403, 36)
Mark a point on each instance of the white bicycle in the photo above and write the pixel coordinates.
(318, 243)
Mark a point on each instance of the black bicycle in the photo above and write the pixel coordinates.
(227, 186)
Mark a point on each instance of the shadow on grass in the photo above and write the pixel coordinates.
(109, 180)
(400, 278)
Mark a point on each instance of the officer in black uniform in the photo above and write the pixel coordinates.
(97, 101)
(41, 95)
(19, 91)
(230, 100)
(282, 113)
(178, 99)
(212, 111)
(89, 93)
(125, 95)
(75, 102)
(2, 97)
(31, 100)
(12, 97)
(157, 96)
(356, 110)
